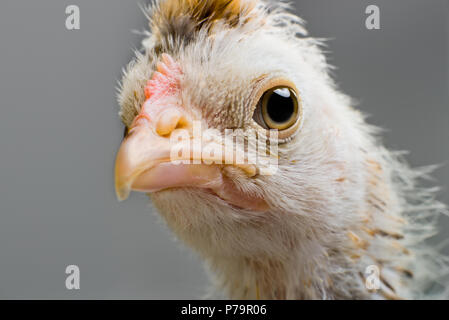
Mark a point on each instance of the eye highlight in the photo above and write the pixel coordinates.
(279, 108)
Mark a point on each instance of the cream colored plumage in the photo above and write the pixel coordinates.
(339, 203)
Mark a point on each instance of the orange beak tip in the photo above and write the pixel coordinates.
(122, 192)
(121, 197)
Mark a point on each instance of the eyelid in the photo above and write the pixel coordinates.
(272, 83)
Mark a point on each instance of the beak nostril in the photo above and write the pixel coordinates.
(183, 123)
(169, 121)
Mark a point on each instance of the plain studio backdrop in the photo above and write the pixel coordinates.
(59, 132)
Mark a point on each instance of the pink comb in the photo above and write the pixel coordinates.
(165, 79)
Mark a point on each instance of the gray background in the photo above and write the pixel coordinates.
(59, 132)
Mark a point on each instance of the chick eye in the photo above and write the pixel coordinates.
(278, 108)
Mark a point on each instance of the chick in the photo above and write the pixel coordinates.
(338, 204)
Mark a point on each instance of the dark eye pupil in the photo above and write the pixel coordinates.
(280, 105)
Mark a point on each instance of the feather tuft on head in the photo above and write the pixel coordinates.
(205, 11)
(183, 17)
